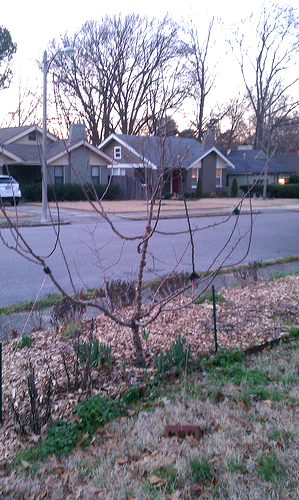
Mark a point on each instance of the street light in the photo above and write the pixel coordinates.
(46, 66)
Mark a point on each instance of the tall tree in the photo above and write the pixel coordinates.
(7, 50)
(202, 77)
(124, 71)
(266, 67)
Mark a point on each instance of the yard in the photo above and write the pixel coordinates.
(246, 407)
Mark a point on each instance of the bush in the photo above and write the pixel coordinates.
(234, 188)
(199, 188)
(294, 179)
(70, 192)
(275, 190)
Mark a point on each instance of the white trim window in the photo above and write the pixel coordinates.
(218, 177)
(117, 152)
(194, 178)
(95, 175)
(58, 174)
(117, 171)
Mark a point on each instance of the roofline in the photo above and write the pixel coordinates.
(81, 142)
(210, 150)
(27, 131)
(132, 150)
(10, 155)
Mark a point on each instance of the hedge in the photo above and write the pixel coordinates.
(70, 192)
(275, 190)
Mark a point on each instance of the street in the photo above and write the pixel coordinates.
(88, 251)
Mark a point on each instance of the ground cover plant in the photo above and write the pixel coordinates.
(108, 441)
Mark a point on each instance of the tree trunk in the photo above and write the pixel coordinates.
(138, 346)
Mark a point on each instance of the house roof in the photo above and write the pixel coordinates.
(167, 151)
(252, 162)
(12, 134)
(32, 153)
(290, 160)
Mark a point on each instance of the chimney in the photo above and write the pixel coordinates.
(208, 140)
(77, 131)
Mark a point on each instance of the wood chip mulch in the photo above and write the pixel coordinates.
(252, 314)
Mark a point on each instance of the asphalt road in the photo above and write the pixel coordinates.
(93, 252)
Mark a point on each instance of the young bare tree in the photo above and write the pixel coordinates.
(145, 302)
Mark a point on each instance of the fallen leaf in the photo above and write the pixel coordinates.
(110, 446)
(267, 402)
(157, 481)
(122, 460)
(25, 464)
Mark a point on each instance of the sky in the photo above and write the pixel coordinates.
(32, 27)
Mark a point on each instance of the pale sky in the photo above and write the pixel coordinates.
(33, 25)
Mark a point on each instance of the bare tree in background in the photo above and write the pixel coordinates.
(236, 120)
(267, 67)
(126, 72)
(202, 77)
(28, 110)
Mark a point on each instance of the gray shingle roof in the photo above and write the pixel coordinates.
(171, 151)
(8, 133)
(253, 162)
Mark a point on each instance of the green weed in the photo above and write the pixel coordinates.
(270, 468)
(26, 341)
(208, 296)
(72, 330)
(293, 332)
(201, 470)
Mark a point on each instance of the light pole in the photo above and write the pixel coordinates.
(46, 66)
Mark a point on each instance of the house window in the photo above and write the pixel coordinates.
(32, 136)
(119, 171)
(194, 178)
(117, 152)
(283, 179)
(95, 175)
(58, 175)
(218, 177)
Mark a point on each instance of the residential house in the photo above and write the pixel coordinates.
(140, 160)
(289, 159)
(72, 160)
(249, 164)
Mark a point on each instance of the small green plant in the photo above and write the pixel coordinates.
(201, 470)
(95, 353)
(178, 356)
(235, 465)
(294, 332)
(225, 358)
(180, 353)
(208, 296)
(26, 341)
(95, 412)
(169, 480)
(72, 330)
(145, 334)
(106, 353)
(270, 468)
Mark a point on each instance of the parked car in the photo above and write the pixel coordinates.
(9, 189)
